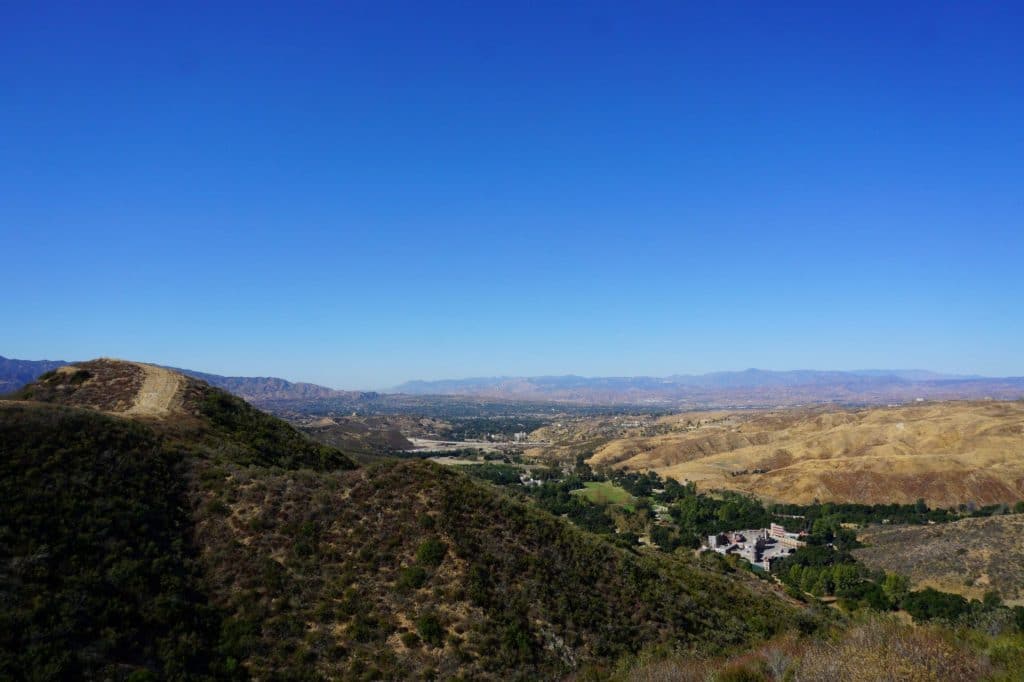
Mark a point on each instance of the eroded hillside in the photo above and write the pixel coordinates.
(946, 453)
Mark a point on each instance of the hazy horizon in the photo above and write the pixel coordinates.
(560, 375)
(364, 195)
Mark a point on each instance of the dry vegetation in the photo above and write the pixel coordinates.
(946, 453)
(105, 385)
(221, 543)
(877, 650)
(968, 557)
(410, 568)
(200, 538)
(187, 412)
(366, 438)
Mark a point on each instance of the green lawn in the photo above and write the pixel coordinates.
(605, 493)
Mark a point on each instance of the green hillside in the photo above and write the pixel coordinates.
(410, 567)
(218, 542)
(97, 574)
(256, 437)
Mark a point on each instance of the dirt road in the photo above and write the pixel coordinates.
(159, 393)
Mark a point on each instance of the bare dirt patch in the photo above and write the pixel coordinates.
(160, 393)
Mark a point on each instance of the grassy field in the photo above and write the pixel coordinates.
(605, 493)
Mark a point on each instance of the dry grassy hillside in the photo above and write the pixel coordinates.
(969, 557)
(367, 439)
(946, 453)
(585, 435)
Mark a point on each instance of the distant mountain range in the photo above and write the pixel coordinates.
(16, 373)
(749, 378)
(753, 386)
(747, 388)
(258, 389)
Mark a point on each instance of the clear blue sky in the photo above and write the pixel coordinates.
(362, 195)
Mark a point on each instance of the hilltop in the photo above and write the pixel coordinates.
(14, 374)
(946, 453)
(183, 410)
(155, 525)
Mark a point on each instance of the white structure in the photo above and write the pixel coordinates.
(760, 546)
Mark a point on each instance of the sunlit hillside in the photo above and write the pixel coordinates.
(946, 453)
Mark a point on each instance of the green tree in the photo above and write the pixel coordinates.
(824, 584)
(809, 579)
(930, 603)
(992, 600)
(795, 575)
(895, 587)
(846, 577)
(431, 552)
(430, 630)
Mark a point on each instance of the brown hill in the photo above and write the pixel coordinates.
(181, 408)
(14, 374)
(112, 386)
(947, 453)
(366, 438)
(969, 557)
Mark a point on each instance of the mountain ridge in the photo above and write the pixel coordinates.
(745, 388)
(752, 376)
(751, 387)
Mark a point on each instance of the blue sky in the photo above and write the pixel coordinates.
(365, 194)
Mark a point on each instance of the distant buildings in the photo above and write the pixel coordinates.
(528, 480)
(760, 546)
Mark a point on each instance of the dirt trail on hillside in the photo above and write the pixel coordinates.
(159, 393)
